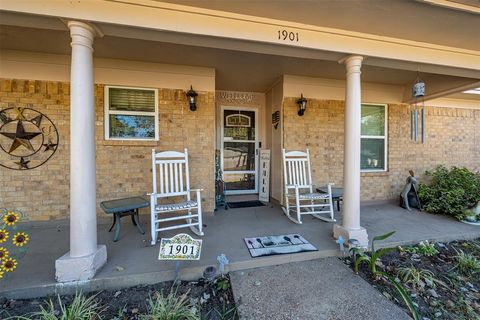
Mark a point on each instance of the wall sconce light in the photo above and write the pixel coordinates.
(192, 99)
(302, 104)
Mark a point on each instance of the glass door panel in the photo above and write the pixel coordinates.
(239, 150)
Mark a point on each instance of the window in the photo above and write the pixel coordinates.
(373, 138)
(131, 113)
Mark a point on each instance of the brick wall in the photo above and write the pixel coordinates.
(123, 167)
(453, 138)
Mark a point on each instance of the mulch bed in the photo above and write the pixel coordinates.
(459, 299)
(131, 303)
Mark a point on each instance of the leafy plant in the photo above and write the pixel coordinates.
(169, 307)
(360, 256)
(225, 313)
(467, 263)
(418, 278)
(223, 284)
(81, 308)
(451, 191)
(403, 294)
(424, 248)
(371, 260)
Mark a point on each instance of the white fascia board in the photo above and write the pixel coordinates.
(170, 17)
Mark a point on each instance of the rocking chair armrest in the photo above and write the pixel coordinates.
(196, 190)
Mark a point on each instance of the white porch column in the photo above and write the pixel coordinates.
(85, 256)
(350, 228)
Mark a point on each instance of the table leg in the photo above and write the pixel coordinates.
(136, 221)
(132, 215)
(117, 227)
(114, 220)
(338, 205)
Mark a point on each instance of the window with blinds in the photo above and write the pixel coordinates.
(373, 138)
(131, 113)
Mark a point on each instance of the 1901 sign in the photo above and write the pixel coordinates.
(286, 35)
(180, 247)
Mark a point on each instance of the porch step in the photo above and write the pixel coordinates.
(187, 273)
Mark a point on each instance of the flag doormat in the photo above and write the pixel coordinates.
(273, 245)
(245, 204)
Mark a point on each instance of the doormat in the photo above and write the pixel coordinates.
(245, 204)
(273, 245)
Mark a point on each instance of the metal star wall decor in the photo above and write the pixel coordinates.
(23, 133)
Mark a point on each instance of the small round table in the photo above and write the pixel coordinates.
(124, 207)
(337, 194)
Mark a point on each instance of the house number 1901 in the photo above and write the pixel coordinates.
(287, 36)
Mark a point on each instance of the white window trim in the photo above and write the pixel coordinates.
(384, 137)
(108, 112)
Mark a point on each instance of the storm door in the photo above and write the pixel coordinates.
(240, 150)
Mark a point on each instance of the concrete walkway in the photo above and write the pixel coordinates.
(316, 289)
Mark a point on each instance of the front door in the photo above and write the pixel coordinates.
(240, 150)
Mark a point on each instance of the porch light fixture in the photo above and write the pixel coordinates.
(302, 104)
(192, 98)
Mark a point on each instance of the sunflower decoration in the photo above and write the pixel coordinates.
(20, 239)
(3, 235)
(9, 265)
(3, 253)
(11, 218)
(14, 242)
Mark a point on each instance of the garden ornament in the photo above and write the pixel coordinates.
(409, 196)
(340, 241)
(222, 261)
(473, 215)
(209, 272)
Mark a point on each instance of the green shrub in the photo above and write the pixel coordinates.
(450, 192)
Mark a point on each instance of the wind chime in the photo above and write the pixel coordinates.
(418, 92)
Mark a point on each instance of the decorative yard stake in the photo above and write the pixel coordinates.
(340, 241)
(222, 262)
(180, 247)
(12, 241)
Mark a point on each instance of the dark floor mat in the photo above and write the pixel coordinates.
(245, 204)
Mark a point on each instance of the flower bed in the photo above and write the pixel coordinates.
(188, 300)
(442, 279)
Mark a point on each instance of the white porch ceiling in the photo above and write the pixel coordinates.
(236, 70)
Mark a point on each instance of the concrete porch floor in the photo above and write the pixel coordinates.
(131, 261)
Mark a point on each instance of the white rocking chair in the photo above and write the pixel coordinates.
(298, 178)
(171, 167)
